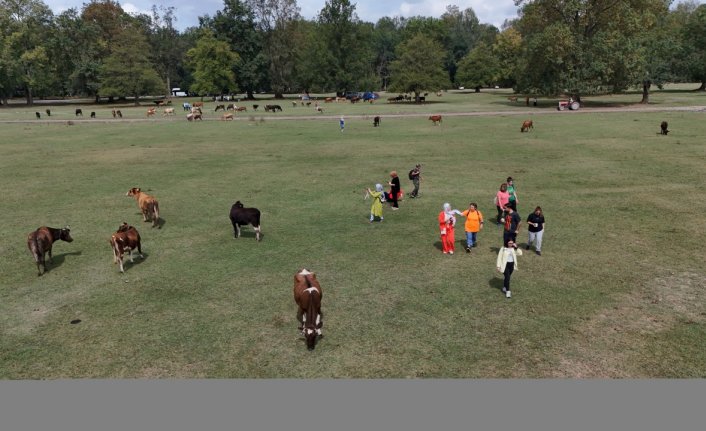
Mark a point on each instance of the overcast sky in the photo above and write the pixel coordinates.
(187, 11)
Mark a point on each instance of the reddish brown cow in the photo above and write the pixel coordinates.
(126, 238)
(436, 119)
(148, 205)
(198, 105)
(526, 126)
(307, 295)
(40, 242)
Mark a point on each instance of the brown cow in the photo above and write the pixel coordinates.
(436, 119)
(526, 126)
(148, 205)
(151, 111)
(242, 108)
(168, 111)
(307, 295)
(198, 105)
(40, 242)
(227, 116)
(126, 238)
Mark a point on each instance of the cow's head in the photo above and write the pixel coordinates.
(65, 234)
(123, 227)
(238, 204)
(133, 191)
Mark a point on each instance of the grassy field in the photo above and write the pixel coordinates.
(618, 292)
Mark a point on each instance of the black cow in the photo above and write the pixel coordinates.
(240, 216)
(38, 115)
(273, 108)
(376, 121)
(93, 114)
(48, 112)
(79, 112)
(664, 126)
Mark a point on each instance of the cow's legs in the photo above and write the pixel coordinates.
(257, 233)
(237, 230)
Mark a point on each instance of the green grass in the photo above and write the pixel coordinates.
(618, 292)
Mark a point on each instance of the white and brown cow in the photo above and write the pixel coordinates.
(125, 239)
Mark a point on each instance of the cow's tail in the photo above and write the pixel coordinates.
(37, 253)
(155, 213)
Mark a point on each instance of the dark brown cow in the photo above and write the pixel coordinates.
(148, 205)
(436, 119)
(79, 112)
(376, 121)
(40, 242)
(526, 126)
(126, 238)
(307, 295)
(663, 128)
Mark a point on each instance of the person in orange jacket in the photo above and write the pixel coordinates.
(447, 221)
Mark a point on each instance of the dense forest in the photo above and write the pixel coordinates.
(576, 47)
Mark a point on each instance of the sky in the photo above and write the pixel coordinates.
(187, 11)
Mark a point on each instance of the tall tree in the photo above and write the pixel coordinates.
(508, 49)
(168, 46)
(212, 61)
(236, 24)
(419, 66)
(465, 32)
(24, 60)
(695, 40)
(348, 54)
(583, 46)
(386, 37)
(128, 70)
(479, 68)
(277, 20)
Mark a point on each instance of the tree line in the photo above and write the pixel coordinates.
(553, 47)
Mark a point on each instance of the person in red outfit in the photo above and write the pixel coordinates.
(447, 221)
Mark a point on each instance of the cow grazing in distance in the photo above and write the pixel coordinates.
(79, 112)
(254, 107)
(40, 242)
(148, 205)
(435, 119)
(38, 115)
(125, 239)
(663, 128)
(114, 113)
(319, 109)
(220, 108)
(273, 108)
(240, 216)
(198, 104)
(168, 111)
(151, 111)
(242, 108)
(307, 295)
(526, 126)
(227, 116)
(120, 114)
(93, 114)
(376, 121)
(48, 111)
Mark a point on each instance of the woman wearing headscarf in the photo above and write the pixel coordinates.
(447, 221)
(376, 208)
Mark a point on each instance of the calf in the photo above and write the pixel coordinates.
(240, 216)
(526, 126)
(40, 242)
(79, 112)
(168, 111)
(273, 108)
(663, 128)
(148, 205)
(126, 238)
(376, 121)
(436, 119)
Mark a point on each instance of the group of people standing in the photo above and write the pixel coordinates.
(506, 201)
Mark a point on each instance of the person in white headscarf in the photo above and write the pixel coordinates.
(376, 208)
(447, 221)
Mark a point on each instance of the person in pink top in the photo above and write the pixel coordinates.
(502, 197)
